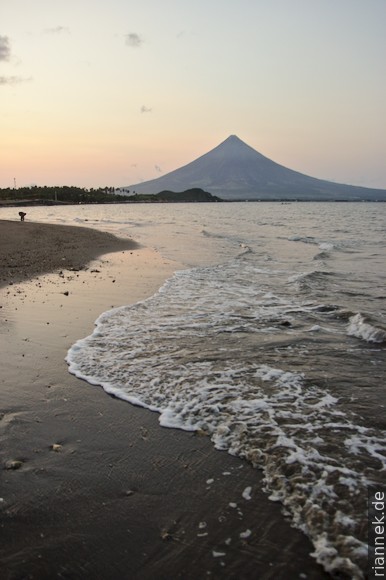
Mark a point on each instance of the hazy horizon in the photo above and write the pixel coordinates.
(119, 93)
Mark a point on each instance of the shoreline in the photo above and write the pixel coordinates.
(97, 489)
(29, 249)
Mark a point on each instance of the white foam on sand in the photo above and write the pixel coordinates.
(190, 364)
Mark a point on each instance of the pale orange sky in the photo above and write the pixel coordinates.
(95, 93)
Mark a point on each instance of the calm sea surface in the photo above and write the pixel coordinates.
(271, 340)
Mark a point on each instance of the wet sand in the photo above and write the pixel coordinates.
(90, 486)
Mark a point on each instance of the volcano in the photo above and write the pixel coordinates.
(235, 171)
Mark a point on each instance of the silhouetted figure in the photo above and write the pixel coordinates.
(22, 214)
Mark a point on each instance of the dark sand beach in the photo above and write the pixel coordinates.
(92, 487)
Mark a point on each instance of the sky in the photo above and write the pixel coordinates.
(99, 93)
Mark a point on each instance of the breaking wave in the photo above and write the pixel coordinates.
(362, 328)
(194, 353)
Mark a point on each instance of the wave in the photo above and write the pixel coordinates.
(325, 251)
(304, 239)
(326, 246)
(360, 327)
(321, 256)
(245, 247)
(314, 280)
(203, 368)
(280, 425)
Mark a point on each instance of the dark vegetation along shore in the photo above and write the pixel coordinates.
(91, 487)
(57, 195)
(71, 195)
(27, 196)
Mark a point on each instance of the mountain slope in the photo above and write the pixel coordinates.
(235, 171)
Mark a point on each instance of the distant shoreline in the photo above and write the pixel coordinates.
(72, 195)
(33, 203)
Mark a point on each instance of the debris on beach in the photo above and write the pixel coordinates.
(165, 535)
(56, 447)
(247, 493)
(218, 554)
(13, 464)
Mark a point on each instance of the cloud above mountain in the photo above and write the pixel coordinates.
(12, 80)
(5, 48)
(133, 40)
(57, 30)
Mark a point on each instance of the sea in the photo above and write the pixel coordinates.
(270, 339)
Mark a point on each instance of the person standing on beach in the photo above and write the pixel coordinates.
(22, 214)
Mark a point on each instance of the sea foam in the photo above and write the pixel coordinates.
(193, 354)
(359, 327)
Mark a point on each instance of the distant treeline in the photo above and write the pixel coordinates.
(71, 195)
(62, 194)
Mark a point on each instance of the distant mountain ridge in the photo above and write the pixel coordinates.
(235, 171)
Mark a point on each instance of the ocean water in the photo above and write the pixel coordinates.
(271, 341)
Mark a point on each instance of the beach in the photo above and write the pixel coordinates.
(92, 487)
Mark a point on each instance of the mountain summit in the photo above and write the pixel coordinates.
(235, 171)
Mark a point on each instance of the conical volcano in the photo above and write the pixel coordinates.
(235, 171)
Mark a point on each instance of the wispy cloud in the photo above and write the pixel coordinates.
(57, 30)
(145, 109)
(5, 48)
(133, 39)
(13, 80)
